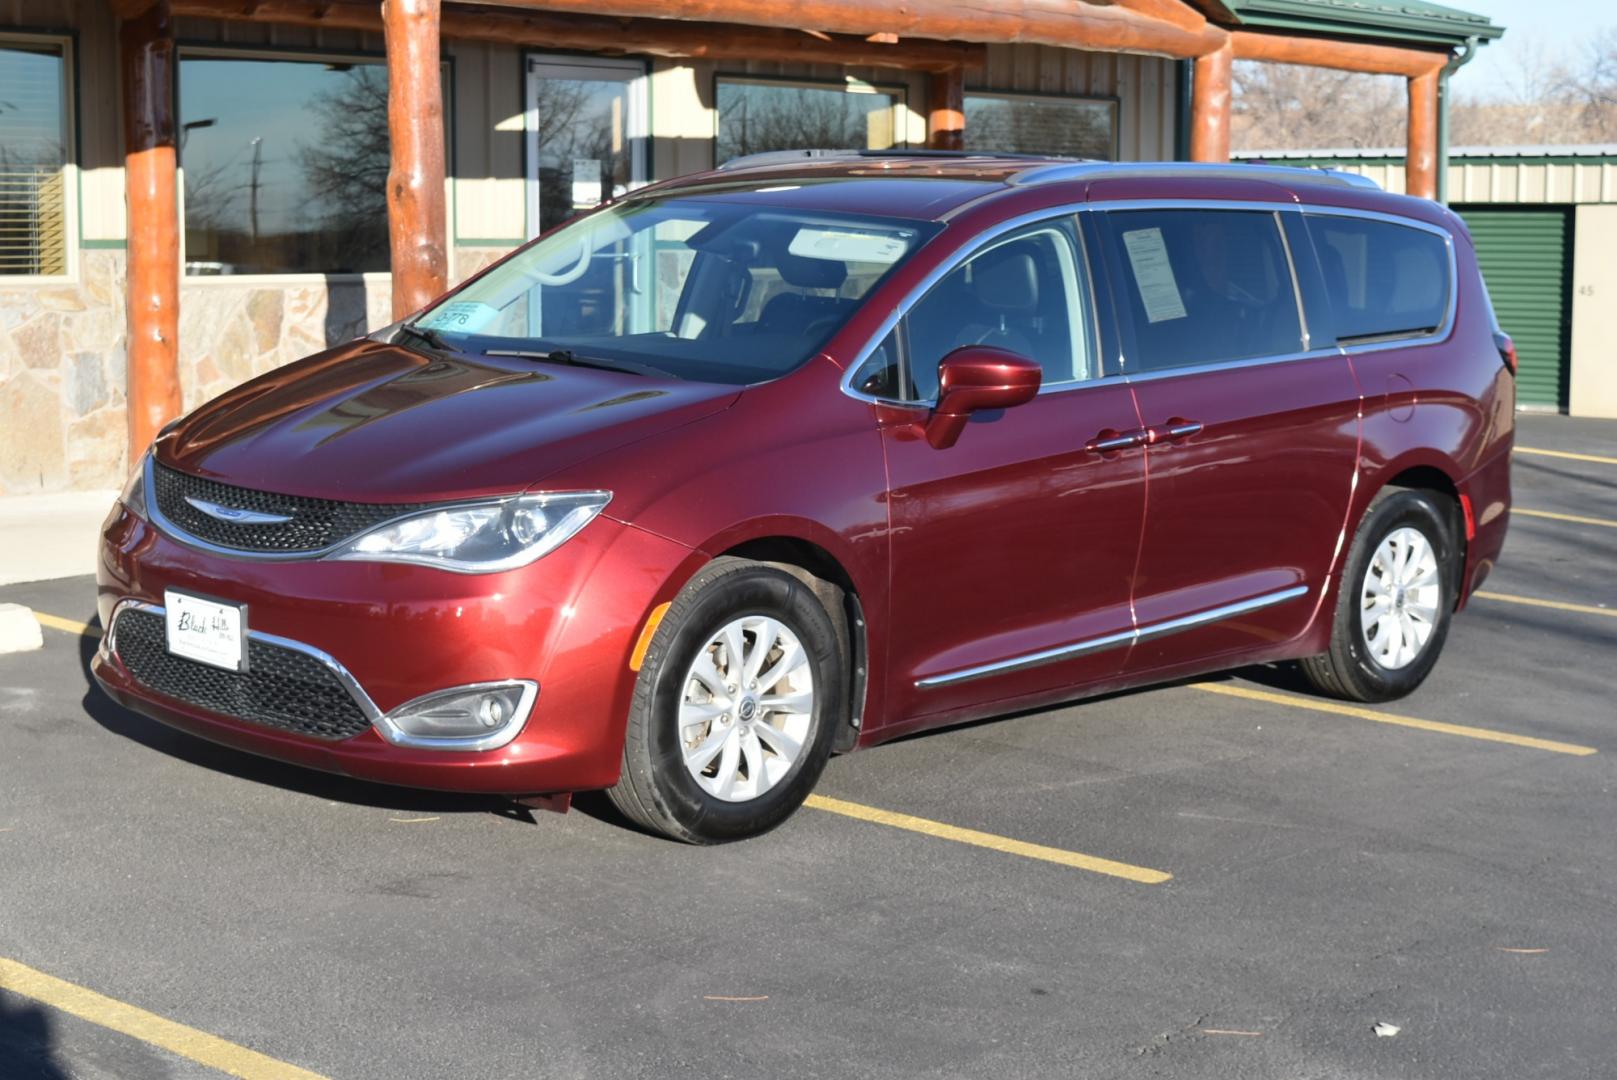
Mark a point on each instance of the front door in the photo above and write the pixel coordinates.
(1253, 436)
(586, 124)
(1012, 550)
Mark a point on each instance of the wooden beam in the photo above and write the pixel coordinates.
(1210, 107)
(1362, 56)
(1420, 167)
(416, 218)
(946, 110)
(1176, 12)
(146, 56)
(591, 33)
(1070, 24)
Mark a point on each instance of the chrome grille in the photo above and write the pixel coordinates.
(281, 688)
(313, 525)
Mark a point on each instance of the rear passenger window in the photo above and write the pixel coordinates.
(1204, 286)
(1384, 280)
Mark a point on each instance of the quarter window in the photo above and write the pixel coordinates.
(1385, 281)
(1204, 287)
(33, 159)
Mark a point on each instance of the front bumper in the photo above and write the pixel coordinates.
(567, 622)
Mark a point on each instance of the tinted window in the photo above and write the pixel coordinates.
(1037, 124)
(1020, 292)
(1204, 286)
(1384, 280)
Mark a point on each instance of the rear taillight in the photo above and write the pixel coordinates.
(1507, 349)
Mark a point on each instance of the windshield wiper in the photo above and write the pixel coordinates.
(572, 359)
(427, 335)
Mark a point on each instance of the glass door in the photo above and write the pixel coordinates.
(586, 124)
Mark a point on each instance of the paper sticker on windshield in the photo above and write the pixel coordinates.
(1153, 273)
(845, 246)
(461, 317)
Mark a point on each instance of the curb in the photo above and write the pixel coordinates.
(19, 630)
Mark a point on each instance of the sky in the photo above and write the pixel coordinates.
(1557, 27)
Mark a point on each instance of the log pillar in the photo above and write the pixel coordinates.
(416, 218)
(146, 57)
(1210, 106)
(1420, 167)
(946, 109)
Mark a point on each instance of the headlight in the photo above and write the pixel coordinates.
(480, 537)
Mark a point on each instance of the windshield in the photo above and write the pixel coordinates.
(701, 289)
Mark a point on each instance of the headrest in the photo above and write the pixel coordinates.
(1010, 283)
(808, 273)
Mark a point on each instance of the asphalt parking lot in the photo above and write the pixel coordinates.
(1293, 875)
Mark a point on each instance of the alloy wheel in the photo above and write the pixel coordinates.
(746, 708)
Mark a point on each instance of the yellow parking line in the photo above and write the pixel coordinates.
(942, 831)
(1574, 518)
(72, 626)
(1565, 454)
(1343, 709)
(1558, 605)
(187, 1042)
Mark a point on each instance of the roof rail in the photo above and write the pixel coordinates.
(1080, 170)
(788, 157)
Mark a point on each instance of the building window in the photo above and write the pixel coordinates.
(285, 164)
(33, 158)
(1037, 124)
(755, 115)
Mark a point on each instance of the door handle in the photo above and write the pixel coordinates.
(1174, 430)
(1109, 441)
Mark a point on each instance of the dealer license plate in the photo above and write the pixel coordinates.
(207, 631)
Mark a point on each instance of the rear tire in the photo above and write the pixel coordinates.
(736, 707)
(1394, 603)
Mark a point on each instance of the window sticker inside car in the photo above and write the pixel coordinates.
(461, 317)
(844, 245)
(1153, 273)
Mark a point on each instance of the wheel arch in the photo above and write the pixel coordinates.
(832, 584)
(1434, 475)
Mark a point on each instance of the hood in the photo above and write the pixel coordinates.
(380, 423)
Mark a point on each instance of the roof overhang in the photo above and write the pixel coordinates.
(1412, 22)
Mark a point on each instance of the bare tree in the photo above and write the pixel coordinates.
(1283, 106)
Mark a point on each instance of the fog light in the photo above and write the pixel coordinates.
(482, 716)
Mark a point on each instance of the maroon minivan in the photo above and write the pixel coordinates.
(813, 451)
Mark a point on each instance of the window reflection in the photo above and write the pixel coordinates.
(33, 141)
(756, 116)
(1034, 124)
(285, 165)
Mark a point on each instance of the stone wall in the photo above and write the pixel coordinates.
(62, 368)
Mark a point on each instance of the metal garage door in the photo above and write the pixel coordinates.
(1526, 257)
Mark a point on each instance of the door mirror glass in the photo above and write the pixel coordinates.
(979, 378)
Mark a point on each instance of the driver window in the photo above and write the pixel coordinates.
(1021, 292)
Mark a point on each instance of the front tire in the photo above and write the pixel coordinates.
(1394, 603)
(735, 709)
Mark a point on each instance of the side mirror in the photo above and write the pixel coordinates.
(976, 378)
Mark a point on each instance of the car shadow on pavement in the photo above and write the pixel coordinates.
(27, 1042)
(304, 781)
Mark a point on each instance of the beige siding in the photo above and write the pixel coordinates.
(1509, 182)
(487, 126)
(1594, 314)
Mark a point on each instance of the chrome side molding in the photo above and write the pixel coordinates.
(1112, 641)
